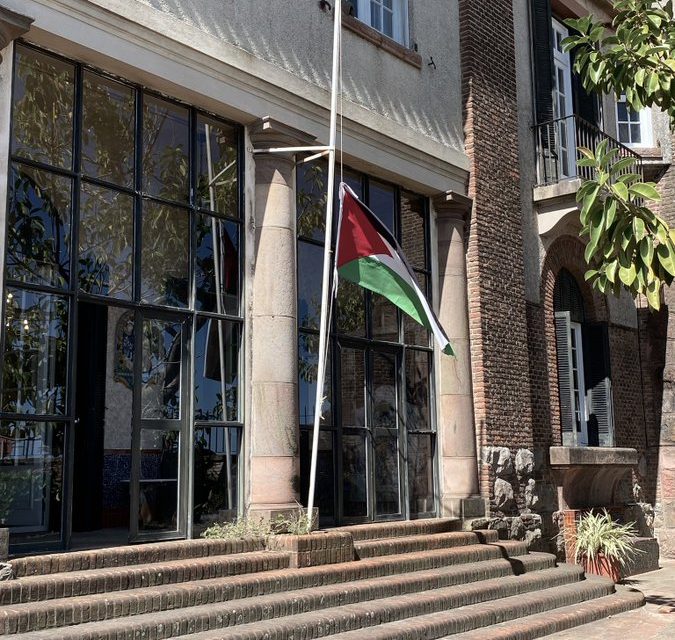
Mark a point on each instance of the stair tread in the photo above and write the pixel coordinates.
(258, 613)
(422, 537)
(434, 625)
(538, 625)
(229, 589)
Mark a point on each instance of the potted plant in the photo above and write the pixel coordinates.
(603, 546)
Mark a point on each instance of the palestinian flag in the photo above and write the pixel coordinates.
(368, 255)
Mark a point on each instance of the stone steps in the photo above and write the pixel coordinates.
(561, 619)
(314, 612)
(131, 555)
(409, 580)
(353, 580)
(82, 583)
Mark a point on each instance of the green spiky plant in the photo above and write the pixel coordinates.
(601, 542)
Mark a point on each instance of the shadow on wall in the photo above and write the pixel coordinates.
(269, 30)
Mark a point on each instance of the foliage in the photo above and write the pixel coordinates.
(598, 534)
(250, 526)
(629, 245)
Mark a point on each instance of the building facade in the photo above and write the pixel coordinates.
(162, 272)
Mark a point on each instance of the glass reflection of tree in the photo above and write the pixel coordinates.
(37, 236)
(35, 355)
(161, 368)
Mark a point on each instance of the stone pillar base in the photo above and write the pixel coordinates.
(464, 508)
(274, 512)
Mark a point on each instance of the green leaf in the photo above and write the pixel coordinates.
(621, 190)
(665, 257)
(611, 270)
(654, 295)
(645, 190)
(647, 250)
(639, 228)
(623, 164)
(627, 275)
(610, 213)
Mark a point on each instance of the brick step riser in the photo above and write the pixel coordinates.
(399, 529)
(53, 614)
(539, 626)
(68, 585)
(72, 585)
(448, 624)
(395, 546)
(131, 555)
(225, 620)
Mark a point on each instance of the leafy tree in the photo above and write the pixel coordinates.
(629, 245)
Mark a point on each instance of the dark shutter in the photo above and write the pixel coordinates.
(542, 52)
(563, 340)
(586, 105)
(598, 382)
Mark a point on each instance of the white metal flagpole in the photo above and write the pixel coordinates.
(325, 287)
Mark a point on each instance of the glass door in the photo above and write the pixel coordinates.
(563, 104)
(160, 440)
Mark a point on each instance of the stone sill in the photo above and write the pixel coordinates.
(560, 189)
(592, 457)
(381, 41)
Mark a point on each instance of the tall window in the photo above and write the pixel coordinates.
(377, 446)
(634, 127)
(123, 210)
(584, 376)
(389, 17)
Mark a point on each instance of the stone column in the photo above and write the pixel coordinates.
(12, 25)
(273, 429)
(460, 496)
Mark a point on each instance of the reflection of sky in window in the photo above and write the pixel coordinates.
(308, 358)
(382, 203)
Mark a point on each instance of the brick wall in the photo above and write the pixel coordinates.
(497, 310)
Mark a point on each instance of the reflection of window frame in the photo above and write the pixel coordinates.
(399, 17)
(644, 122)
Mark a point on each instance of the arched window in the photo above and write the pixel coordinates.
(584, 382)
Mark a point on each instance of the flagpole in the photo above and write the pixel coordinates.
(325, 286)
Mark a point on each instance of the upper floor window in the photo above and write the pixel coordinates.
(634, 127)
(389, 17)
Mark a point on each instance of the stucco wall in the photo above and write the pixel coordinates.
(297, 37)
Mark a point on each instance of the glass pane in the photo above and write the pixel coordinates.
(413, 229)
(375, 15)
(165, 255)
(414, 332)
(224, 253)
(384, 319)
(36, 353)
(166, 135)
(161, 369)
(421, 472)
(624, 133)
(382, 202)
(31, 479)
(387, 23)
(216, 349)
(635, 134)
(384, 398)
(310, 269)
(158, 491)
(106, 242)
(354, 485)
(386, 473)
(311, 200)
(217, 186)
(352, 387)
(621, 111)
(216, 471)
(417, 390)
(351, 309)
(308, 357)
(634, 116)
(108, 116)
(38, 227)
(325, 473)
(42, 116)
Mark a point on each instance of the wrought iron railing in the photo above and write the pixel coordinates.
(557, 142)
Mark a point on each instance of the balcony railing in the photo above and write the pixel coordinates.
(557, 155)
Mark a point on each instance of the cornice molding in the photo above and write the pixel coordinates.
(12, 26)
(451, 204)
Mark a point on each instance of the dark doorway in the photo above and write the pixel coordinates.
(90, 412)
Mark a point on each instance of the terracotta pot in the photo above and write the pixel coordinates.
(603, 566)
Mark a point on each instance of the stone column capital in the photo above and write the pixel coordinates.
(12, 25)
(451, 205)
(267, 133)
